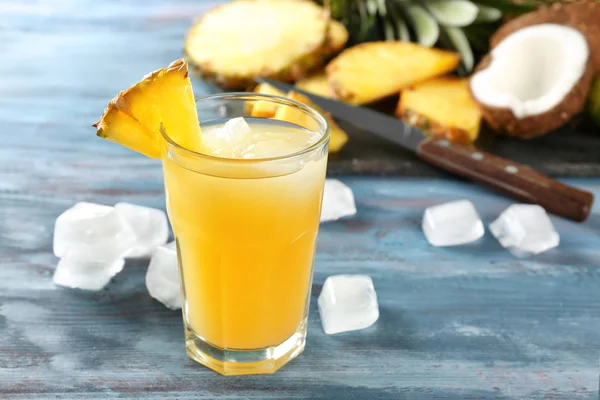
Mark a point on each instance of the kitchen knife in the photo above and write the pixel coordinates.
(513, 179)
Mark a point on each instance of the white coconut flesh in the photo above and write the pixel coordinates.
(532, 70)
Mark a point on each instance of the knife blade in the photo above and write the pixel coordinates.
(511, 178)
(385, 126)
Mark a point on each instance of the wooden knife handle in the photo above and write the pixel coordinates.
(516, 180)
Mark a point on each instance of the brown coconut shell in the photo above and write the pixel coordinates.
(582, 15)
(503, 121)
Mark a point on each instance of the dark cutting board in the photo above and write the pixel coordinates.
(573, 150)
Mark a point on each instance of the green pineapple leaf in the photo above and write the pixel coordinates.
(456, 13)
(425, 26)
(398, 15)
(510, 7)
(459, 41)
(487, 14)
(593, 106)
(460, 25)
(389, 31)
(479, 36)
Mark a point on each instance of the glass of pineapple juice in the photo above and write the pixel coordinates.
(245, 217)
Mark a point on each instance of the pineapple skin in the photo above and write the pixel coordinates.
(435, 129)
(296, 69)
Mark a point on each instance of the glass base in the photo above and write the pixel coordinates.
(245, 362)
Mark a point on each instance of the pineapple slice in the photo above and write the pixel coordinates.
(264, 109)
(371, 71)
(294, 115)
(163, 98)
(337, 136)
(337, 36)
(442, 107)
(317, 84)
(243, 39)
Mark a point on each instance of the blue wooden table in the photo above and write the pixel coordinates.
(469, 322)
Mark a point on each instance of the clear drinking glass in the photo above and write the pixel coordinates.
(246, 232)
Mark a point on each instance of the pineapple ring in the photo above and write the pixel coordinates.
(279, 39)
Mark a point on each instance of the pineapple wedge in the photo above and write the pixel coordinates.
(337, 36)
(442, 107)
(294, 115)
(337, 136)
(371, 71)
(243, 39)
(261, 108)
(164, 98)
(317, 84)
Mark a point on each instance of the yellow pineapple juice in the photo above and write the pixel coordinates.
(245, 216)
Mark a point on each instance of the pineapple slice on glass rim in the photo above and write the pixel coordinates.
(243, 39)
(162, 99)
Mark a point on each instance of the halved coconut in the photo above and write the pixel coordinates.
(583, 15)
(534, 80)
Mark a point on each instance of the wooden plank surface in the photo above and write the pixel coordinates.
(464, 323)
(470, 322)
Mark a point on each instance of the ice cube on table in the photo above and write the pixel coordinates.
(338, 201)
(348, 303)
(75, 273)
(150, 226)
(525, 228)
(89, 231)
(452, 224)
(162, 278)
